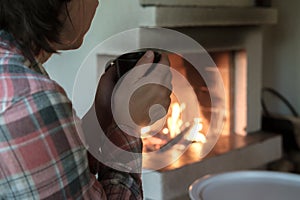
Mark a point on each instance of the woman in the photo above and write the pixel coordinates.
(41, 154)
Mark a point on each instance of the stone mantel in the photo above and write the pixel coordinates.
(204, 3)
(178, 13)
(200, 16)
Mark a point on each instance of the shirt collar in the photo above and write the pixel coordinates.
(9, 46)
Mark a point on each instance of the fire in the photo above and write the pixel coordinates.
(165, 131)
(174, 127)
(195, 134)
(174, 122)
(145, 130)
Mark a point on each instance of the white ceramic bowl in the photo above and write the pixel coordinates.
(247, 185)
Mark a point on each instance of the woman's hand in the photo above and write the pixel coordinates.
(136, 93)
(103, 98)
(144, 99)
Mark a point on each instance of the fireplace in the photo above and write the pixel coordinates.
(237, 52)
(233, 38)
(232, 67)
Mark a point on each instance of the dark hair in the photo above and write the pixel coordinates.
(33, 23)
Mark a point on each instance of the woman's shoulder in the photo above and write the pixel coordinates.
(19, 81)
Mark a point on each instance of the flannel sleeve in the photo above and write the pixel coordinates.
(118, 183)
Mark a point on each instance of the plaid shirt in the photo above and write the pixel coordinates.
(41, 154)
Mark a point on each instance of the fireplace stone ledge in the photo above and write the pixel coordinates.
(188, 16)
(206, 3)
(230, 153)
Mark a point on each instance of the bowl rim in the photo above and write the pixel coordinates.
(200, 184)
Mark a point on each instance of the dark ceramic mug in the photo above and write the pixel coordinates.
(127, 61)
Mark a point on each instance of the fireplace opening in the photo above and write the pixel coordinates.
(232, 67)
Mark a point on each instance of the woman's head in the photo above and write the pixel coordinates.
(79, 17)
(47, 25)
